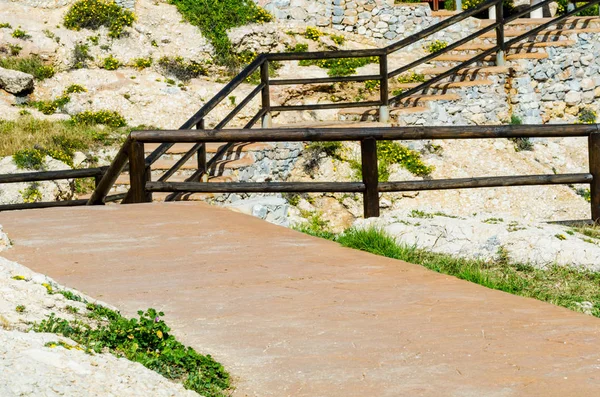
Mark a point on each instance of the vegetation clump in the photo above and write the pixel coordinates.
(141, 63)
(390, 152)
(110, 63)
(181, 69)
(587, 116)
(92, 14)
(32, 65)
(146, 340)
(20, 34)
(436, 46)
(104, 117)
(32, 193)
(216, 17)
(339, 66)
(312, 33)
(81, 55)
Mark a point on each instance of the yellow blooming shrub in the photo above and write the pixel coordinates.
(92, 14)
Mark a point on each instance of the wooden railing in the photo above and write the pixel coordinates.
(261, 64)
(142, 187)
(27, 177)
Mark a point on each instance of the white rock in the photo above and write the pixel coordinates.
(14, 81)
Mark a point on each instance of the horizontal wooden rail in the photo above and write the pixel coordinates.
(257, 187)
(324, 80)
(53, 204)
(323, 106)
(52, 175)
(484, 182)
(379, 133)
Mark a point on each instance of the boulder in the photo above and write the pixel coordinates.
(14, 81)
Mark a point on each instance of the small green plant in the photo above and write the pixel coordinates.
(153, 43)
(5, 25)
(95, 40)
(299, 47)
(585, 193)
(20, 34)
(19, 278)
(493, 221)
(30, 159)
(315, 225)
(20, 309)
(81, 55)
(412, 77)
(71, 309)
(104, 117)
(292, 198)
(32, 65)
(450, 5)
(92, 14)
(142, 63)
(15, 49)
(31, 194)
(560, 236)
(312, 33)
(110, 63)
(146, 340)
(338, 39)
(232, 99)
(48, 34)
(339, 66)
(181, 69)
(50, 107)
(587, 116)
(521, 144)
(420, 214)
(390, 152)
(372, 85)
(435, 46)
(75, 89)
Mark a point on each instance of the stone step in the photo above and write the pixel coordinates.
(540, 21)
(191, 164)
(211, 147)
(518, 46)
(358, 114)
(554, 32)
(443, 13)
(415, 99)
(123, 179)
(482, 70)
(448, 85)
(491, 58)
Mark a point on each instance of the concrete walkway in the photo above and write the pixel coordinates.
(292, 315)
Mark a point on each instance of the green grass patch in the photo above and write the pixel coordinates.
(30, 139)
(558, 285)
(32, 65)
(339, 66)
(146, 340)
(215, 17)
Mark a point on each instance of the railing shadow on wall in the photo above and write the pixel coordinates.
(142, 187)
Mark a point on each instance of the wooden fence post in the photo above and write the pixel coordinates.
(266, 96)
(370, 176)
(138, 174)
(594, 155)
(201, 154)
(384, 108)
(500, 55)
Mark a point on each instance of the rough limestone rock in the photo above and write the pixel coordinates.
(14, 81)
(271, 209)
(30, 368)
(486, 237)
(4, 241)
(12, 193)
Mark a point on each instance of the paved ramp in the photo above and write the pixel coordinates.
(292, 315)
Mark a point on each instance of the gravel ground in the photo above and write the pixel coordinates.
(29, 368)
